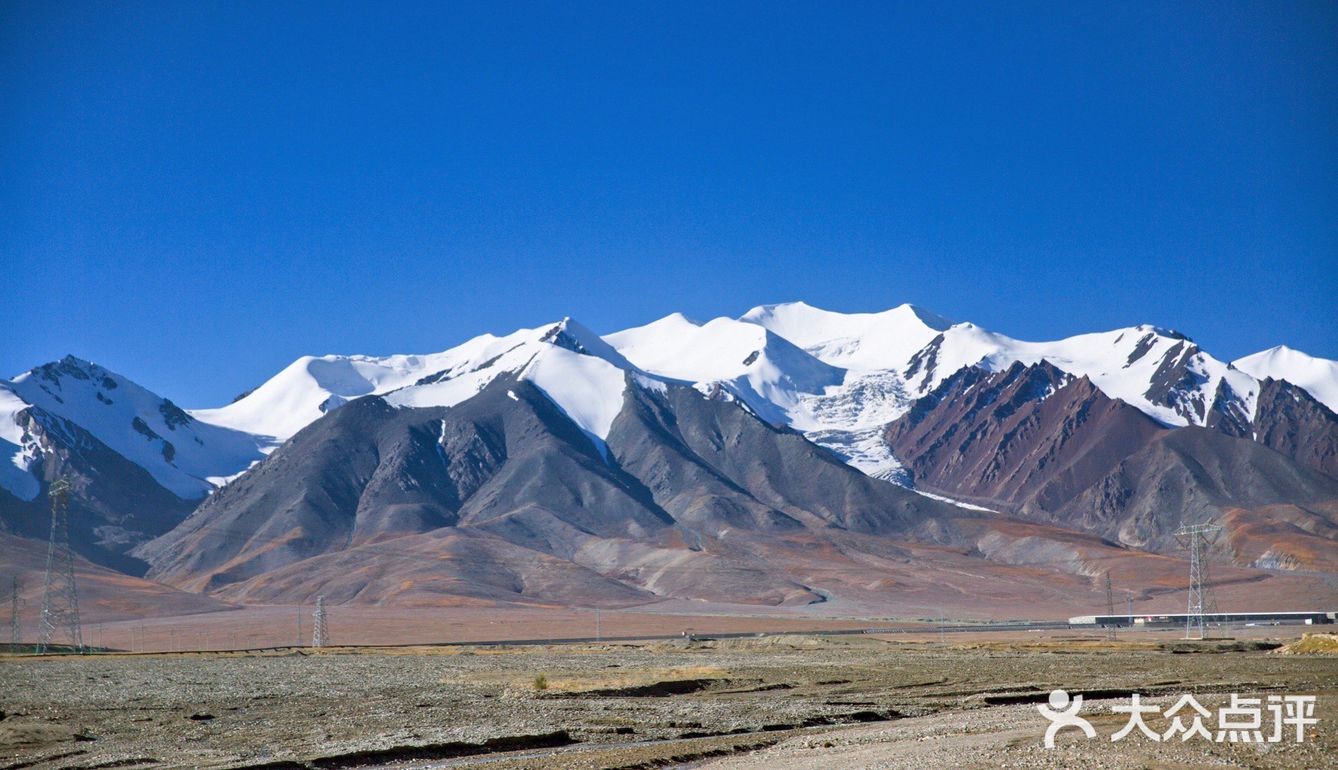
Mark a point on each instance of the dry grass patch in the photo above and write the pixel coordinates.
(624, 678)
(1312, 644)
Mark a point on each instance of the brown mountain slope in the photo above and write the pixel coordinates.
(502, 495)
(104, 595)
(1072, 456)
(1029, 435)
(1291, 421)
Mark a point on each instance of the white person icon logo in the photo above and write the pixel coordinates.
(1061, 717)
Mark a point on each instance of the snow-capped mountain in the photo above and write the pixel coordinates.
(880, 363)
(614, 457)
(1163, 373)
(765, 371)
(836, 377)
(186, 456)
(885, 340)
(1317, 376)
(580, 372)
(839, 407)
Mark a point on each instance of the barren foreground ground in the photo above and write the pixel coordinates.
(779, 702)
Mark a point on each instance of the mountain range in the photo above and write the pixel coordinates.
(791, 456)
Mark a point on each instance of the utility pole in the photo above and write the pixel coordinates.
(60, 599)
(15, 632)
(1197, 538)
(320, 635)
(1110, 608)
(298, 613)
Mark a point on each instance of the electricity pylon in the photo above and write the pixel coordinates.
(15, 632)
(1197, 538)
(60, 599)
(320, 635)
(1110, 608)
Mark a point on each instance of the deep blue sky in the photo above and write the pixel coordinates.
(194, 194)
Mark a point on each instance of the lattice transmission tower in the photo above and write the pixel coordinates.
(15, 630)
(320, 633)
(1110, 607)
(60, 598)
(1197, 538)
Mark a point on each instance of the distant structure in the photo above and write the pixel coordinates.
(60, 599)
(1110, 606)
(15, 631)
(1196, 538)
(320, 634)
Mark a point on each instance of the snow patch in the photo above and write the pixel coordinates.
(16, 456)
(587, 389)
(1317, 376)
(949, 500)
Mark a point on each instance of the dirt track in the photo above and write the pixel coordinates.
(785, 702)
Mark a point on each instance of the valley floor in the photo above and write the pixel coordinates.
(766, 702)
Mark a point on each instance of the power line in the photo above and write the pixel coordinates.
(1196, 538)
(60, 598)
(1110, 608)
(15, 631)
(320, 634)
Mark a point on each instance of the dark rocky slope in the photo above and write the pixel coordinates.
(1034, 442)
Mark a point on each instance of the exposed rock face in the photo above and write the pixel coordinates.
(1291, 421)
(1029, 434)
(1029, 441)
(1193, 475)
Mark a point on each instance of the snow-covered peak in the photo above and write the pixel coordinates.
(1161, 372)
(579, 372)
(883, 340)
(719, 349)
(311, 386)
(765, 370)
(185, 455)
(646, 342)
(576, 337)
(1318, 376)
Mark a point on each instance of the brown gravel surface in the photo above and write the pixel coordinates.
(775, 702)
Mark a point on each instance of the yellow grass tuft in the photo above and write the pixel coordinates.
(1312, 644)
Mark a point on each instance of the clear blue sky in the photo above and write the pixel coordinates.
(195, 193)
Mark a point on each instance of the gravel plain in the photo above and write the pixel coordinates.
(773, 702)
